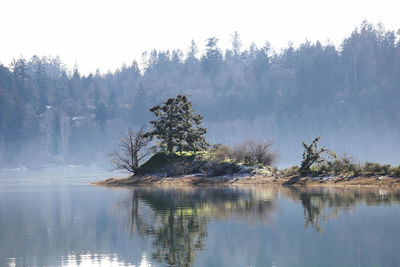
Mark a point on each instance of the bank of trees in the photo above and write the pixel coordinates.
(351, 88)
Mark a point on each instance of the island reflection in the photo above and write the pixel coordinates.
(196, 225)
(177, 218)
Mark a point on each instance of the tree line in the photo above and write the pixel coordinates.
(52, 111)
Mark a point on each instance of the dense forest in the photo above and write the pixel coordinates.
(349, 95)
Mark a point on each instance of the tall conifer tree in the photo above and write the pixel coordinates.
(177, 127)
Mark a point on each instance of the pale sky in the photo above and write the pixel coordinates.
(106, 33)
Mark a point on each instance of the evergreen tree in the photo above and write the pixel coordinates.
(212, 59)
(177, 127)
(236, 44)
(101, 115)
(193, 51)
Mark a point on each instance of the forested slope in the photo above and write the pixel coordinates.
(350, 95)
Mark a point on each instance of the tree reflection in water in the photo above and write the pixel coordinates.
(177, 218)
(320, 204)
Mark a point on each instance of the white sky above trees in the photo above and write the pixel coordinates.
(106, 33)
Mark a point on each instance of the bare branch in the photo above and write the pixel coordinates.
(132, 149)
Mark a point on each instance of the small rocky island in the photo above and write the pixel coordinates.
(189, 170)
(175, 152)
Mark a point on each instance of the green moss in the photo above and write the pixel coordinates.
(159, 162)
(162, 162)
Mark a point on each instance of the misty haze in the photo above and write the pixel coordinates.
(222, 151)
(348, 95)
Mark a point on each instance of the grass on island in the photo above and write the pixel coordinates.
(182, 163)
(205, 162)
(342, 167)
(256, 158)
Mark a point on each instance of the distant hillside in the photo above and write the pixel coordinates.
(349, 95)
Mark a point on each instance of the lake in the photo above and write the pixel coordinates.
(53, 217)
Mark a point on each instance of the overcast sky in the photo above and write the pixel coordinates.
(106, 33)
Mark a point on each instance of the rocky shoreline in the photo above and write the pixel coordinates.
(201, 180)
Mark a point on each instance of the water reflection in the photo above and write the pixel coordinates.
(320, 204)
(86, 260)
(177, 218)
(202, 226)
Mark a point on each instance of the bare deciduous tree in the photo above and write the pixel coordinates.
(132, 150)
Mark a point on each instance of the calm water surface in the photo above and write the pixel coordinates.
(54, 218)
